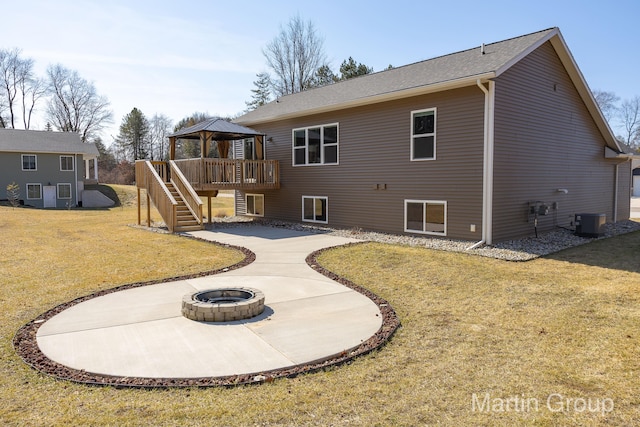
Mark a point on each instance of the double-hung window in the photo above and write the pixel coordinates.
(316, 145)
(66, 163)
(314, 209)
(64, 191)
(34, 191)
(425, 216)
(423, 134)
(29, 162)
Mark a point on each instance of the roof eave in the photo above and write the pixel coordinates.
(374, 99)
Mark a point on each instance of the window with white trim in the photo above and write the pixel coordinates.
(255, 204)
(66, 163)
(34, 191)
(423, 134)
(29, 162)
(315, 209)
(64, 191)
(425, 216)
(315, 145)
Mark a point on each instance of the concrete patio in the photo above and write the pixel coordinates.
(141, 332)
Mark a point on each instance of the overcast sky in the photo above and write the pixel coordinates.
(179, 57)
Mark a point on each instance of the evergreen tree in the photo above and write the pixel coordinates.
(134, 135)
(323, 76)
(262, 93)
(350, 69)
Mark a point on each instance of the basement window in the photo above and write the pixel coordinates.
(34, 191)
(255, 204)
(425, 216)
(64, 191)
(314, 209)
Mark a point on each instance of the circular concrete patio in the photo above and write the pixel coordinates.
(139, 337)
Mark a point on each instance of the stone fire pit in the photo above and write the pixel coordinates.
(223, 305)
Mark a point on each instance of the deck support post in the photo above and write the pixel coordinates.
(139, 219)
(148, 210)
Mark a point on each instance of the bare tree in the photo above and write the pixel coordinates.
(15, 77)
(629, 115)
(607, 102)
(75, 106)
(294, 56)
(159, 127)
(32, 90)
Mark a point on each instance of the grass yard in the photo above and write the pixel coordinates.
(555, 341)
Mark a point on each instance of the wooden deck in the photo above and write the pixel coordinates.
(230, 174)
(173, 187)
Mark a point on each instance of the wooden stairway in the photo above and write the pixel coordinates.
(186, 221)
(175, 199)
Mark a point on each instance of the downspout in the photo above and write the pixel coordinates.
(75, 173)
(615, 195)
(487, 167)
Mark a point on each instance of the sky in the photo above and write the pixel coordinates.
(180, 57)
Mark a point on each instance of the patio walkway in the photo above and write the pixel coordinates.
(141, 332)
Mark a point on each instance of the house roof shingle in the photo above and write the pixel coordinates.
(441, 73)
(441, 70)
(33, 141)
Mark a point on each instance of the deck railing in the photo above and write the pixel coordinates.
(213, 174)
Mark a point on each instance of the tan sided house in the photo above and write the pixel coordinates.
(50, 168)
(481, 145)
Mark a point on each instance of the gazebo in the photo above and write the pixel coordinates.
(218, 130)
(175, 186)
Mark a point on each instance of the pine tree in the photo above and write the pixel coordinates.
(262, 93)
(350, 69)
(134, 135)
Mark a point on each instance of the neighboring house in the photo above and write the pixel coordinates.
(49, 167)
(481, 145)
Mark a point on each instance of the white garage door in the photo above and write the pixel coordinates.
(636, 186)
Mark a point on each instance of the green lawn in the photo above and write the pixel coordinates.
(564, 328)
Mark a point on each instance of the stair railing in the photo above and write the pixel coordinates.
(188, 194)
(147, 177)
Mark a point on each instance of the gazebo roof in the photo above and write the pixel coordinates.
(216, 129)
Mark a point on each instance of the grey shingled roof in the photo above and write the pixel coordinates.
(442, 70)
(221, 129)
(34, 141)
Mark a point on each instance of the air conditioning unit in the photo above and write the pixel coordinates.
(590, 225)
